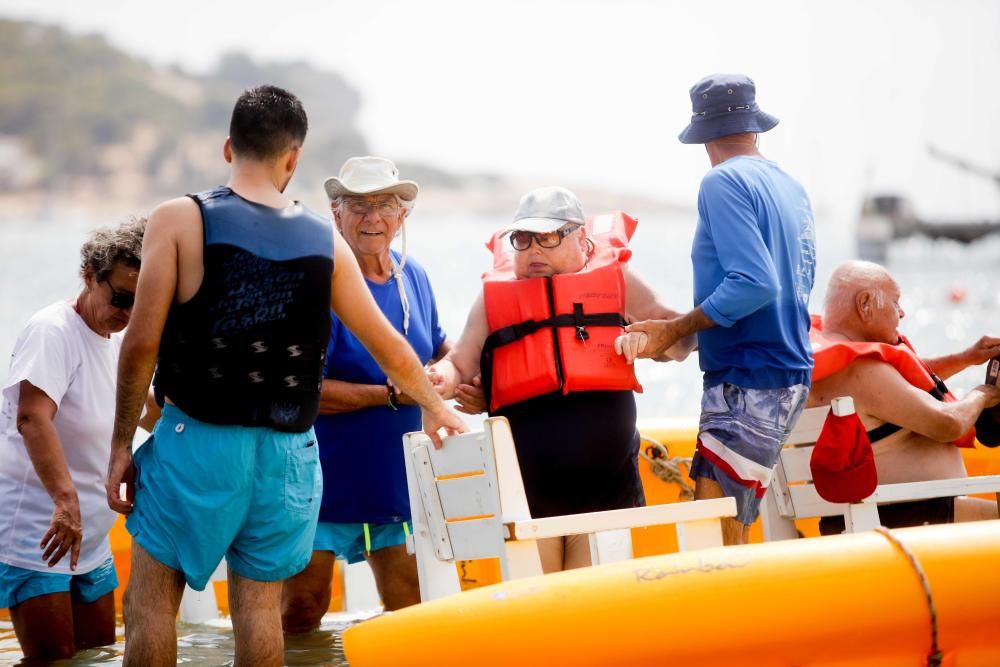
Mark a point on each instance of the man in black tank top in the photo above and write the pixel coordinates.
(232, 309)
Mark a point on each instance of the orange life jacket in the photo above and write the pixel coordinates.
(831, 356)
(558, 333)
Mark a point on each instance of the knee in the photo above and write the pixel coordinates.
(138, 606)
(302, 612)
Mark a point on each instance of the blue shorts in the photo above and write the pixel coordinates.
(740, 436)
(350, 542)
(18, 584)
(204, 491)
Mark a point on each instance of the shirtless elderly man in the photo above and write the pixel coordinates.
(862, 305)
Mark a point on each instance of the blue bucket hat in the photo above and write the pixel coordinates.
(724, 104)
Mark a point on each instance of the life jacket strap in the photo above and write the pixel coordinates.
(514, 332)
(578, 320)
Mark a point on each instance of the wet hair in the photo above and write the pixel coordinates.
(266, 122)
(109, 245)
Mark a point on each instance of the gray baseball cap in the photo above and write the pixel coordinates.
(546, 210)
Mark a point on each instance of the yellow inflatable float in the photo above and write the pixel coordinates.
(663, 485)
(861, 600)
(677, 435)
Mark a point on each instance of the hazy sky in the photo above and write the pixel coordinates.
(596, 92)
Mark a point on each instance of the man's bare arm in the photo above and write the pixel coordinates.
(642, 303)
(154, 295)
(978, 353)
(651, 339)
(884, 394)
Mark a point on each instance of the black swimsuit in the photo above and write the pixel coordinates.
(577, 452)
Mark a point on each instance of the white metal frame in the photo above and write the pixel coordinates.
(468, 502)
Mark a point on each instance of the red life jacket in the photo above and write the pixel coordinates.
(558, 333)
(831, 356)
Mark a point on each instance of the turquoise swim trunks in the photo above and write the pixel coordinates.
(351, 541)
(18, 584)
(205, 491)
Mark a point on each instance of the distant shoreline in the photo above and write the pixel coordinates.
(493, 200)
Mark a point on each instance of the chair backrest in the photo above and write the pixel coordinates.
(792, 487)
(457, 495)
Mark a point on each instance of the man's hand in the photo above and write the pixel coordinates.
(471, 398)
(660, 335)
(631, 344)
(120, 471)
(442, 417)
(982, 350)
(991, 392)
(444, 378)
(65, 533)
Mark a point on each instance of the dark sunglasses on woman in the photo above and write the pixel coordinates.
(521, 240)
(123, 300)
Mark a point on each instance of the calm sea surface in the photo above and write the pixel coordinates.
(950, 297)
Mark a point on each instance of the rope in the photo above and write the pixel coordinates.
(935, 657)
(666, 468)
(397, 273)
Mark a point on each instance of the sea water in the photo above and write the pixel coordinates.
(949, 292)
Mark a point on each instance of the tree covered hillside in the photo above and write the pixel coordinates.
(78, 115)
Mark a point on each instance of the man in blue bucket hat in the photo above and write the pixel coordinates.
(754, 258)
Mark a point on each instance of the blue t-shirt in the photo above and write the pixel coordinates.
(754, 256)
(361, 452)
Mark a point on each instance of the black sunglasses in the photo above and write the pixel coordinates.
(521, 240)
(123, 300)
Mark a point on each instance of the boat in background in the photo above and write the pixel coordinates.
(887, 217)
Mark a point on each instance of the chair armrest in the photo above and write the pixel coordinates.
(636, 517)
(938, 488)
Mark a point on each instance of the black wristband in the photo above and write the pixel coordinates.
(390, 397)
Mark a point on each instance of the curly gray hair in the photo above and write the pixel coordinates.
(109, 245)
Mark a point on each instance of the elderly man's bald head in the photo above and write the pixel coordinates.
(862, 301)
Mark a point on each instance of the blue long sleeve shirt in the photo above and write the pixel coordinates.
(754, 257)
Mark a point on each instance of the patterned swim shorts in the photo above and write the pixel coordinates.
(740, 436)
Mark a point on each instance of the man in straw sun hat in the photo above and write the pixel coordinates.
(365, 511)
(754, 258)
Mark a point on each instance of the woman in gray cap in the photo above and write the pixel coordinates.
(365, 509)
(546, 333)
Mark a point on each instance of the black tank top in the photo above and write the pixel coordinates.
(248, 349)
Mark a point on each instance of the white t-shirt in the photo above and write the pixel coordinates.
(77, 368)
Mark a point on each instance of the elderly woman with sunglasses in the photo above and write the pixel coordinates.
(575, 433)
(56, 571)
(365, 509)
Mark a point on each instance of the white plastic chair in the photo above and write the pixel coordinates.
(468, 502)
(792, 495)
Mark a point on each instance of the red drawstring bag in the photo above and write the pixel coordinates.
(842, 463)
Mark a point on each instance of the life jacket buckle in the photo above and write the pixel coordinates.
(581, 330)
